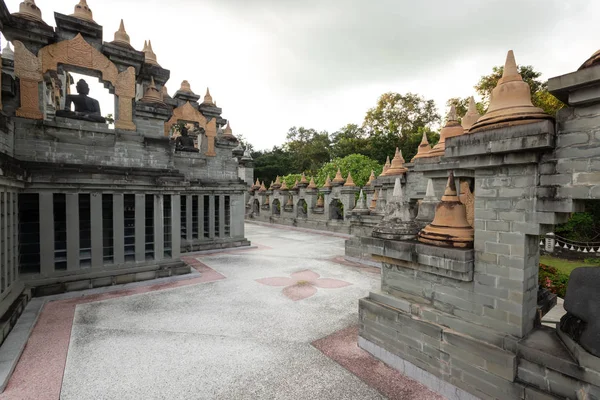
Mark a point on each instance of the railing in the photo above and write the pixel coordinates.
(553, 241)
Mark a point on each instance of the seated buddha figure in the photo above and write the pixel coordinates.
(86, 108)
(185, 142)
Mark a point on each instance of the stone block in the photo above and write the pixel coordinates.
(101, 282)
(125, 278)
(391, 301)
(144, 276)
(78, 285)
(497, 226)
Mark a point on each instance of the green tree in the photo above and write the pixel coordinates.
(399, 121)
(540, 96)
(358, 165)
(462, 106)
(308, 149)
(269, 164)
(350, 139)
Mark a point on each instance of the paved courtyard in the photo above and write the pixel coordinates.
(276, 321)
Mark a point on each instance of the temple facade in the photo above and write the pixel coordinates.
(90, 200)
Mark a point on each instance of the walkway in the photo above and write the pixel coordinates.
(273, 322)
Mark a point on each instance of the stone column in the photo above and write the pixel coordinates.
(46, 206)
(188, 217)
(159, 227)
(5, 232)
(97, 229)
(221, 216)
(15, 225)
(238, 207)
(72, 204)
(10, 244)
(201, 217)
(118, 229)
(211, 217)
(140, 227)
(176, 226)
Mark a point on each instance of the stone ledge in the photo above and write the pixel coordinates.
(563, 86)
(583, 358)
(457, 260)
(511, 139)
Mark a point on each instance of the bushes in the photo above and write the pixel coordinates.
(554, 280)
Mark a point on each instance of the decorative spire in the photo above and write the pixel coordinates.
(430, 193)
(386, 166)
(427, 206)
(371, 178)
(262, 187)
(471, 116)
(256, 185)
(510, 101)
(303, 179)
(450, 227)
(361, 206)
(83, 11)
(185, 87)
(451, 129)
(295, 185)
(290, 202)
(7, 52)
(424, 148)
(165, 92)
(338, 180)
(228, 131)
(396, 167)
(208, 98)
(590, 62)
(277, 183)
(121, 36)
(152, 95)
(397, 223)
(28, 10)
(312, 185)
(349, 181)
(320, 202)
(149, 53)
(284, 186)
(373, 205)
(381, 203)
(328, 183)
(468, 199)
(398, 194)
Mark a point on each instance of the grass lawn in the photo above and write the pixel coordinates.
(566, 266)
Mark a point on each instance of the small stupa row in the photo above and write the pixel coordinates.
(510, 104)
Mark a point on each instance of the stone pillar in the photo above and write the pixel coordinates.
(140, 227)
(201, 217)
(238, 207)
(46, 205)
(72, 204)
(188, 217)
(159, 227)
(221, 216)
(211, 217)
(96, 229)
(5, 231)
(10, 244)
(118, 229)
(176, 225)
(15, 225)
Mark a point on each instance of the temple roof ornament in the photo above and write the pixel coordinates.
(295, 187)
(320, 202)
(149, 53)
(373, 204)
(284, 186)
(510, 101)
(371, 178)
(303, 180)
(349, 181)
(152, 95)
(397, 223)
(228, 131)
(165, 92)
(312, 184)
(397, 167)
(338, 180)
(7, 52)
(121, 36)
(29, 10)
(590, 62)
(450, 227)
(424, 148)
(277, 183)
(256, 185)
(185, 87)
(208, 98)
(386, 166)
(451, 129)
(361, 205)
(471, 116)
(263, 188)
(327, 183)
(83, 11)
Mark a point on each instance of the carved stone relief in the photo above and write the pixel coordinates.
(468, 199)
(28, 69)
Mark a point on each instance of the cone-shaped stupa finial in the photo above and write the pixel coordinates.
(121, 36)
(207, 97)
(263, 188)
(424, 148)
(471, 116)
(152, 95)
(312, 185)
(28, 10)
(396, 167)
(277, 183)
(150, 54)
(185, 87)
(284, 186)
(338, 180)
(510, 101)
(296, 187)
(256, 185)
(303, 180)
(386, 166)
(83, 11)
(349, 181)
(451, 129)
(7, 52)
(373, 204)
(430, 193)
(361, 206)
(228, 131)
(398, 194)
(590, 62)
(165, 92)
(371, 178)
(327, 184)
(450, 227)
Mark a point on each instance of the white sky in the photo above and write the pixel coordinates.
(274, 64)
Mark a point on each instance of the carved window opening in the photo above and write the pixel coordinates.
(336, 210)
(276, 207)
(256, 207)
(302, 209)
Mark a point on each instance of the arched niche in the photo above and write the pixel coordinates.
(256, 207)
(336, 209)
(302, 209)
(276, 207)
(76, 53)
(189, 113)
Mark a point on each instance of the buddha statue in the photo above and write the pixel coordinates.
(185, 142)
(86, 108)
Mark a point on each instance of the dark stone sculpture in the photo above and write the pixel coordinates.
(582, 302)
(185, 142)
(86, 108)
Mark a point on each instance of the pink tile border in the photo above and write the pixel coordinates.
(39, 372)
(342, 348)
